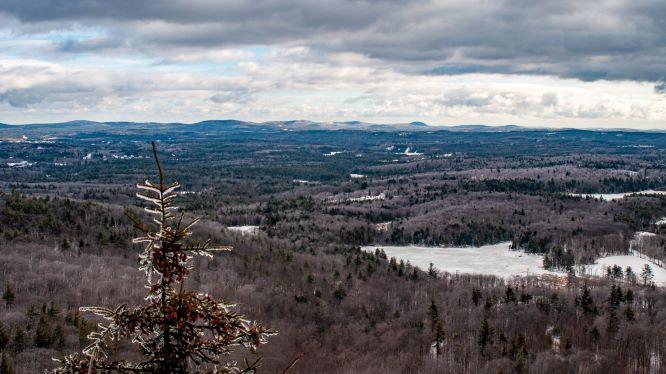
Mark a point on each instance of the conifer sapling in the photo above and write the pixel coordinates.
(177, 331)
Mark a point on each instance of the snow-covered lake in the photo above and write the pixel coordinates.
(617, 196)
(501, 261)
(495, 259)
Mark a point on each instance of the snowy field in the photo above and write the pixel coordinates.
(636, 263)
(495, 259)
(244, 229)
(617, 196)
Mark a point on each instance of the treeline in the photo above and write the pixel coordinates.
(536, 186)
(65, 223)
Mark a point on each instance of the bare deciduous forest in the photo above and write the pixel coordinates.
(66, 243)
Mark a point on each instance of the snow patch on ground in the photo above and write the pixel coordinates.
(356, 176)
(303, 181)
(599, 267)
(643, 234)
(383, 226)
(20, 164)
(381, 196)
(409, 152)
(126, 157)
(495, 259)
(333, 153)
(617, 196)
(662, 221)
(247, 229)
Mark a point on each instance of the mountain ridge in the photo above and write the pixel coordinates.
(308, 125)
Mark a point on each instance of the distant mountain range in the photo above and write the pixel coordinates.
(292, 125)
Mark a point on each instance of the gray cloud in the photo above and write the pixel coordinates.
(660, 87)
(236, 96)
(27, 97)
(620, 40)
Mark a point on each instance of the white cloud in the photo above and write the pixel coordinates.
(294, 82)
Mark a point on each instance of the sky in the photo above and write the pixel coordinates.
(554, 63)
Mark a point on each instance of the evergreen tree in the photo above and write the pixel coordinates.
(84, 329)
(65, 244)
(18, 340)
(439, 337)
(586, 302)
(476, 296)
(414, 275)
(432, 272)
(613, 322)
(6, 364)
(485, 335)
(594, 334)
(31, 312)
(53, 310)
(8, 296)
(615, 296)
(489, 303)
(520, 362)
(509, 295)
(629, 313)
(4, 337)
(433, 313)
(647, 275)
(518, 346)
(571, 276)
(629, 275)
(42, 333)
(617, 273)
(58, 337)
(567, 345)
(178, 331)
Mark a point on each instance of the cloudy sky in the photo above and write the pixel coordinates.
(445, 62)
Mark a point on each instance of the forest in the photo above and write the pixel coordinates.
(315, 197)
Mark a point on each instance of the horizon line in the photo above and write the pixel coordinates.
(413, 123)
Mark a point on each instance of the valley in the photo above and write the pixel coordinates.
(334, 230)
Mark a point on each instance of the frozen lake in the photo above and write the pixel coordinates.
(501, 261)
(495, 259)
